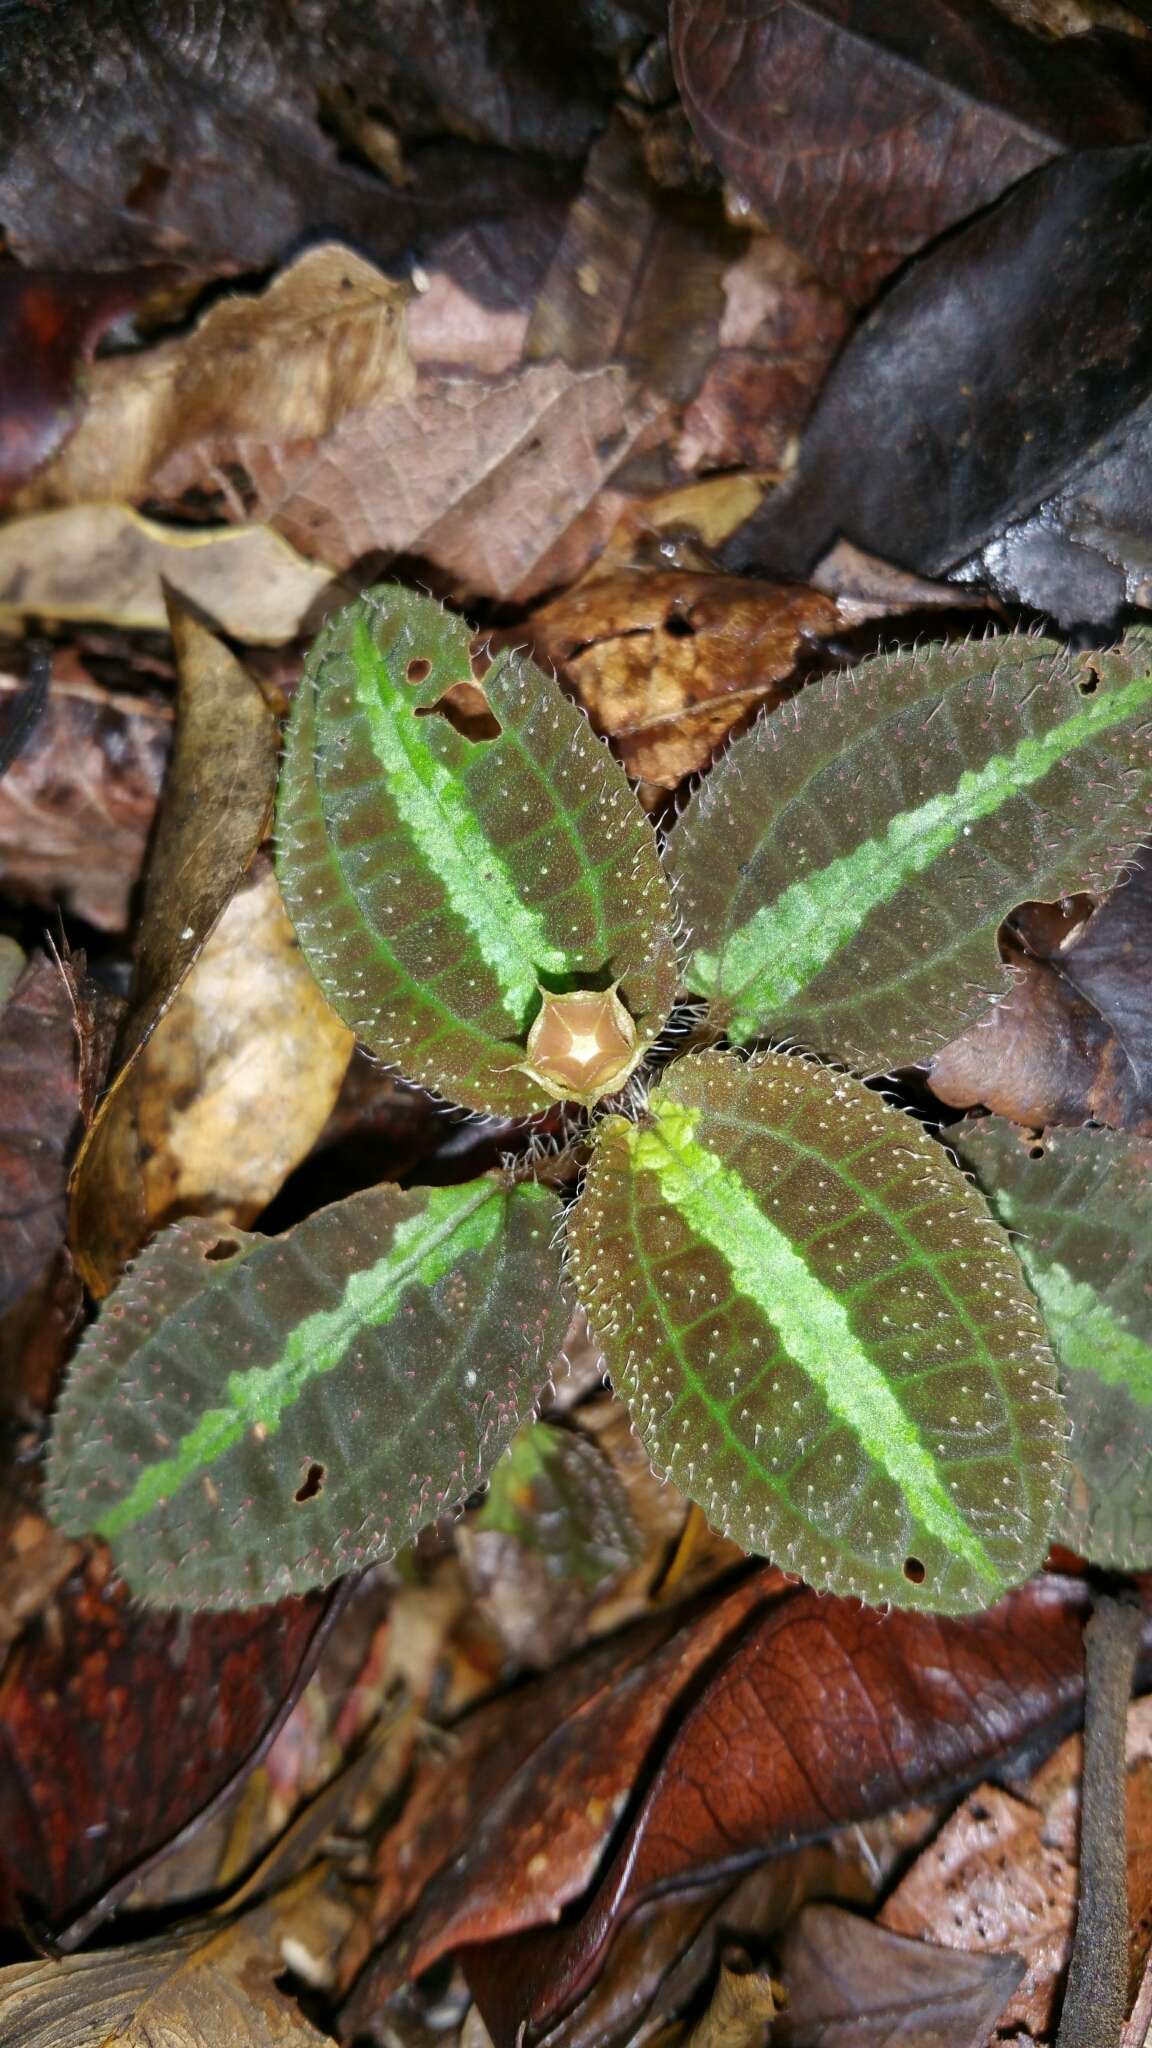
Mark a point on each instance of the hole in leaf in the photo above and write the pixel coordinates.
(914, 1571)
(418, 670)
(678, 626)
(1035, 1151)
(311, 1483)
(466, 708)
(224, 1248)
(1089, 684)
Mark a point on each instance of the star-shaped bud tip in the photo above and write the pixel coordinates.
(582, 1045)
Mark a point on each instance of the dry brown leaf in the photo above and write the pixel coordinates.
(77, 803)
(741, 2008)
(671, 666)
(476, 479)
(325, 338)
(216, 807)
(212, 1985)
(104, 562)
(1002, 1875)
(237, 1081)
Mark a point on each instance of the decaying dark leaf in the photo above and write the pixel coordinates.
(130, 136)
(671, 665)
(863, 128)
(1004, 358)
(77, 804)
(217, 804)
(119, 1725)
(851, 1983)
(39, 1121)
(1072, 1039)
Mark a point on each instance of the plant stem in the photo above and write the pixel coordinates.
(1095, 2001)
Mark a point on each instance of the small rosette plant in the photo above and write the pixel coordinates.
(824, 1334)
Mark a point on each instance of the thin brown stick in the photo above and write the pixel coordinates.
(1096, 1999)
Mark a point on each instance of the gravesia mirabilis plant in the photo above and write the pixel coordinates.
(824, 1335)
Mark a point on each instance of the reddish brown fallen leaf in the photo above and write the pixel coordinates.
(50, 323)
(1003, 1875)
(852, 1984)
(818, 1712)
(1073, 1039)
(121, 1725)
(77, 804)
(511, 1824)
(862, 128)
(671, 666)
(39, 1122)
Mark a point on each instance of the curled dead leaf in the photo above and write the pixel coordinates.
(105, 562)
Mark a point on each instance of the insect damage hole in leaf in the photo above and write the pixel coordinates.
(311, 1483)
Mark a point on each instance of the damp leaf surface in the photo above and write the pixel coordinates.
(844, 869)
(823, 1336)
(441, 885)
(1080, 1207)
(253, 1416)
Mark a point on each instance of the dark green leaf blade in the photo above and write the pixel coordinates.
(1082, 1206)
(823, 1336)
(439, 884)
(844, 869)
(254, 1416)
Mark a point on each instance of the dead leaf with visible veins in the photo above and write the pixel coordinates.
(325, 338)
(106, 563)
(742, 2007)
(216, 808)
(671, 666)
(476, 479)
(77, 803)
(212, 1984)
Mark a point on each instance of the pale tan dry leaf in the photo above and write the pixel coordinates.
(212, 1985)
(237, 1082)
(325, 338)
(106, 563)
(477, 479)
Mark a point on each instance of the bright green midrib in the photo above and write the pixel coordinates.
(432, 802)
(301, 790)
(784, 945)
(1086, 1336)
(812, 1325)
(423, 1249)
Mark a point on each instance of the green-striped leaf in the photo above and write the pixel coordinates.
(252, 1416)
(442, 887)
(845, 867)
(823, 1336)
(1082, 1204)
